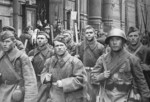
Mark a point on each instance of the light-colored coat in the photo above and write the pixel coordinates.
(25, 69)
(119, 83)
(72, 74)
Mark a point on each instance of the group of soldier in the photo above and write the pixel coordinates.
(64, 71)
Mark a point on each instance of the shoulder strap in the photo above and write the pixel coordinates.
(92, 52)
(1, 54)
(11, 67)
(137, 50)
(117, 65)
(104, 64)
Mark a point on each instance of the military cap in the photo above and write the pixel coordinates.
(6, 34)
(8, 28)
(59, 38)
(132, 29)
(43, 33)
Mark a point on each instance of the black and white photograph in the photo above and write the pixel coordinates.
(74, 50)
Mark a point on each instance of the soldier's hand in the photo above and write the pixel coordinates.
(97, 77)
(106, 74)
(77, 56)
(137, 96)
(31, 58)
(48, 77)
(58, 83)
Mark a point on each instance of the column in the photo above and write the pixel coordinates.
(95, 13)
(15, 14)
(83, 13)
(55, 10)
(107, 15)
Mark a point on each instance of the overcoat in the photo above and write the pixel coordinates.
(71, 72)
(128, 74)
(23, 67)
(141, 51)
(39, 57)
(89, 52)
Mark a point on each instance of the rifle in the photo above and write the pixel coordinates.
(76, 36)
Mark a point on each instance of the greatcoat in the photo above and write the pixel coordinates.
(121, 80)
(141, 51)
(89, 52)
(71, 72)
(39, 57)
(23, 67)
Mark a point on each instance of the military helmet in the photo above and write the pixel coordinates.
(116, 32)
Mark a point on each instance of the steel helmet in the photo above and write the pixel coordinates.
(116, 32)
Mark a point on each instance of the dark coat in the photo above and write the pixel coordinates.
(143, 53)
(40, 55)
(89, 52)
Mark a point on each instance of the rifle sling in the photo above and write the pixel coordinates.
(11, 67)
(92, 53)
(117, 66)
(137, 50)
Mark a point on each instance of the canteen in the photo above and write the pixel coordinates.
(17, 95)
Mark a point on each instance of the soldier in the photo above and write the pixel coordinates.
(66, 74)
(18, 80)
(137, 48)
(19, 44)
(119, 72)
(90, 49)
(39, 56)
(71, 46)
(89, 52)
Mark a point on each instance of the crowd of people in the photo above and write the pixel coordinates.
(110, 67)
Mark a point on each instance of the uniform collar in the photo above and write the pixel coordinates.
(109, 56)
(42, 50)
(91, 44)
(62, 60)
(14, 54)
(134, 48)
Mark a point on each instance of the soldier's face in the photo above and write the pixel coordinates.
(116, 44)
(8, 44)
(67, 37)
(133, 38)
(60, 48)
(89, 34)
(41, 40)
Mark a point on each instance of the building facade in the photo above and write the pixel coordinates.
(67, 13)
